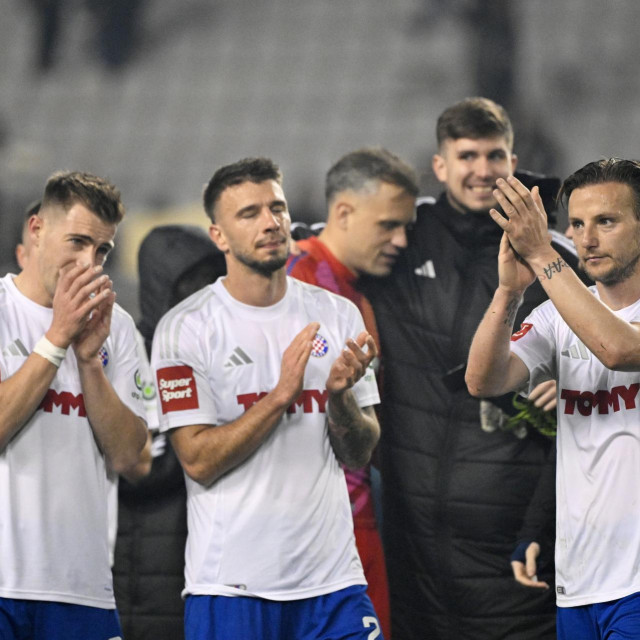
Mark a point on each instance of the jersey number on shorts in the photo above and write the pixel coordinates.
(368, 621)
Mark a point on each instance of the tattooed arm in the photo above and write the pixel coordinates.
(615, 342)
(353, 432)
(492, 369)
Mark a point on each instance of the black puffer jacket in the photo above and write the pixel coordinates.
(152, 527)
(455, 497)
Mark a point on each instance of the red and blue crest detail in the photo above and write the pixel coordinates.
(319, 347)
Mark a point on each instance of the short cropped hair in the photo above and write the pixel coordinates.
(247, 170)
(355, 171)
(66, 188)
(603, 171)
(474, 118)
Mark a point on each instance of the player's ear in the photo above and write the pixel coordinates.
(34, 228)
(341, 212)
(217, 236)
(439, 167)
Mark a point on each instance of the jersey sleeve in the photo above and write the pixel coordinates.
(534, 343)
(178, 361)
(126, 364)
(366, 389)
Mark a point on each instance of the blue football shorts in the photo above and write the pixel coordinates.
(40, 620)
(343, 615)
(615, 620)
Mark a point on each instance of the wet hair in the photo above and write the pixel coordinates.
(356, 171)
(601, 172)
(474, 118)
(68, 188)
(255, 170)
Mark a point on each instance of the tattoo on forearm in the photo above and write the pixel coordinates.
(349, 435)
(553, 267)
(512, 309)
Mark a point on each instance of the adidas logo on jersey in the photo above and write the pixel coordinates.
(16, 348)
(237, 358)
(427, 270)
(576, 351)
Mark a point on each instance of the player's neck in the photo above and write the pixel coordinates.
(331, 239)
(622, 294)
(31, 287)
(256, 289)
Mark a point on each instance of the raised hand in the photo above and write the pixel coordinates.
(526, 219)
(352, 363)
(514, 275)
(89, 340)
(80, 291)
(294, 363)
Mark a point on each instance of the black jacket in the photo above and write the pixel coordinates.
(455, 497)
(152, 528)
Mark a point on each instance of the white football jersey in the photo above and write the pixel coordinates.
(598, 472)
(53, 478)
(279, 525)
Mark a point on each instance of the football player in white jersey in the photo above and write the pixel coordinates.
(589, 341)
(265, 385)
(70, 413)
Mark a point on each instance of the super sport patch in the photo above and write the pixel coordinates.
(524, 328)
(177, 388)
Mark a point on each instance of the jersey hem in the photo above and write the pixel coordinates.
(281, 596)
(58, 597)
(597, 598)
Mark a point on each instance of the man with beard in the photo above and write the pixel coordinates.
(260, 423)
(588, 340)
(458, 489)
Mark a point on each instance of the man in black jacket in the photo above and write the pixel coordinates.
(459, 490)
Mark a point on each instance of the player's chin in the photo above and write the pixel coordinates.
(381, 268)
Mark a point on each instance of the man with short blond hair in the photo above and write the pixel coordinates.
(70, 414)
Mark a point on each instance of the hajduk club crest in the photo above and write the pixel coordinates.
(319, 347)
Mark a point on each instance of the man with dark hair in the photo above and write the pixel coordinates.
(260, 423)
(370, 198)
(254, 170)
(589, 341)
(70, 413)
(461, 491)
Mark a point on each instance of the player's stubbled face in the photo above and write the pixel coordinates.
(253, 225)
(606, 231)
(69, 238)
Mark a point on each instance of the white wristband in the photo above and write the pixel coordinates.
(49, 351)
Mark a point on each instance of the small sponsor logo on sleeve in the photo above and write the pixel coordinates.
(524, 328)
(177, 389)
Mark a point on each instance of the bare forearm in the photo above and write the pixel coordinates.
(119, 432)
(615, 342)
(207, 452)
(21, 395)
(489, 355)
(353, 432)
(142, 468)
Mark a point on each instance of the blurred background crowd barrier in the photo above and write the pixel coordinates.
(156, 94)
